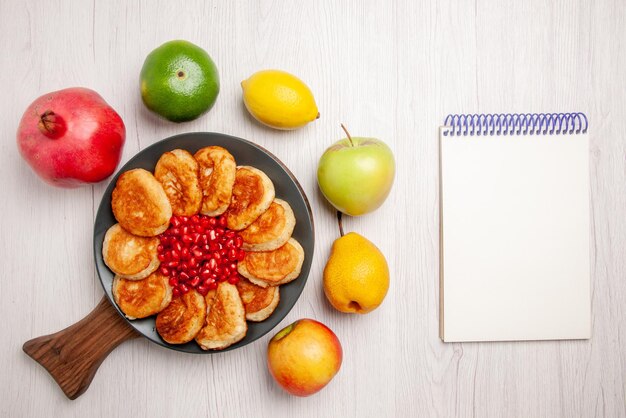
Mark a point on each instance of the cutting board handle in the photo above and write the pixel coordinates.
(72, 356)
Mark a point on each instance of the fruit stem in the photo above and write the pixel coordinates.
(51, 125)
(340, 222)
(347, 133)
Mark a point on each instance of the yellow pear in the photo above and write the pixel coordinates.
(356, 276)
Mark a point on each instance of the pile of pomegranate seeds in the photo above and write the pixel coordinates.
(198, 252)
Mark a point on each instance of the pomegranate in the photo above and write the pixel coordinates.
(71, 137)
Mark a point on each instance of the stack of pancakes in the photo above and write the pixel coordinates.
(209, 183)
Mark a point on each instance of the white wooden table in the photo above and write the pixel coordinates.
(392, 70)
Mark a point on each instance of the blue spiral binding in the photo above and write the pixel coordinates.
(516, 124)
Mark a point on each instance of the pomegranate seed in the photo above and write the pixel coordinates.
(214, 246)
(173, 281)
(217, 256)
(205, 282)
(195, 281)
(241, 255)
(233, 266)
(233, 280)
(232, 254)
(172, 264)
(212, 222)
(183, 288)
(226, 271)
(217, 270)
(177, 246)
(185, 219)
(161, 257)
(196, 237)
(222, 221)
(203, 290)
(212, 285)
(205, 274)
(175, 231)
(195, 219)
(193, 262)
(193, 272)
(224, 252)
(184, 254)
(238, 241)
(175, 255)
(212, 264)
(219, 232)
(175, 292)
(160, 248)
(213, 276)
(212, 235)
(175, 221)
(198, 253)
(183, 276)
(184, 265)
(187, 239)
(165, 271)
(230, 234)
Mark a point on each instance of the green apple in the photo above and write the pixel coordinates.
(356, 174)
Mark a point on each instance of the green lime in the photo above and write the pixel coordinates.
(179, 81)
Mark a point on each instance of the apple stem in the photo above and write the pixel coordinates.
(51, 125)
(347, 133)
(340, 223)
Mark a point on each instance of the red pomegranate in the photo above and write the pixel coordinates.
(71, 137)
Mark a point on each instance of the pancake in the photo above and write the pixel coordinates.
(177, 171)
(181, 320)
(225, 319)
(253, 193)
(271, 230)
(140, 204)
(272, 268)
(259, 302)
(217, 176)
(142, 298)
(129, 256)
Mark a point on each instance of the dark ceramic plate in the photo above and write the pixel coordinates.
(245, 153)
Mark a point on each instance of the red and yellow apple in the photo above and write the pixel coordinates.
(304, 356)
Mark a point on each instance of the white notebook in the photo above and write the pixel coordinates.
(514, 228)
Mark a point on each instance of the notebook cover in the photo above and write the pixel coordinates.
(514, 238)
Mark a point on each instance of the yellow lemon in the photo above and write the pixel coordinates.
(279, 100)
(356, 276)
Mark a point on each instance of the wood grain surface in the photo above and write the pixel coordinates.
(391, 70)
